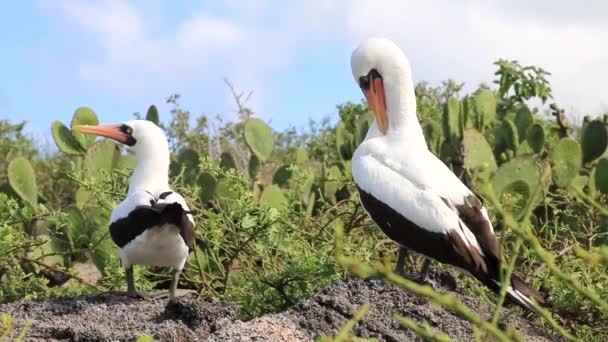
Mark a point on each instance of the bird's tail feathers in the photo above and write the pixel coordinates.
(522, 294)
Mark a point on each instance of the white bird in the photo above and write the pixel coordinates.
(153, 225)
(411, 194)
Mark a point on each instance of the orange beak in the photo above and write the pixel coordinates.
(377, 103)
(116, 132)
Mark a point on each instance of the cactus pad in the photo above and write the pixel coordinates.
(84, 116)
(478, 155)
(65, 140)
(536, 137)
(594, 140)
(22, 179)
(152, 114)
(601, 176)
(259, 138)
(273, 197)
(566, 158)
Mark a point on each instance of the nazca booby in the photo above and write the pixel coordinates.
(153, 225)
(411, 194)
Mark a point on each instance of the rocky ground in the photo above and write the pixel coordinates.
(114, 317)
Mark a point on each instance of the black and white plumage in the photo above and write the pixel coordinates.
(153, 225)
(411, 194)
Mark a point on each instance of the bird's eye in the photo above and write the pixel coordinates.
(364, 82)
(129, 130)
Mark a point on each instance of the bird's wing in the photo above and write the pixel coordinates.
(426, 208)
(187, 225)
(134, 200)
(425, 171)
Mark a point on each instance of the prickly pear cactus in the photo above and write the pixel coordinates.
(506, 137)
(65, 141)
(432, 134)
(259, 138)
(301, 155)
(478, 157)
(207, 183)
(594, 140)
(273, 197)
(152, 114)
(343, 141)
(451, 118)
(484, 105)
(84, 116)
(523, 120)
(535, 136)
(520, 176)
(282, 176)
(227, 161)
(102, 155)
(22, 179)
(601, 176)
(566, 156)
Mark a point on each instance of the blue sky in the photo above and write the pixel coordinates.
(120, 56)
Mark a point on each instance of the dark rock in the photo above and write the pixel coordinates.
(114, 317)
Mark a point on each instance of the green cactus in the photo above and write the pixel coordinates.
(282, 176)
(468, 114)
(227, 161)
(259, 138)
(104, 249)
(65, 140)
(84, 116)
(301, 155)
(601, 176)
(594, 140)
(224, 194)
(566, 156)
(152, 114)
(535, 136)
(520, 176)
(523, 120)
(343, 141)
(478, 155)
(330, 185)
(127, 162)
(451, 118)
(253, 166)
(103, 155)
(432, 133)
(484, 105)
(208, 184)
(273, 197)
(506, 137)
(76, 230)
(22, 179)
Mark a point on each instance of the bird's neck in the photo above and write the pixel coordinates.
(151, 172)
(403, 124)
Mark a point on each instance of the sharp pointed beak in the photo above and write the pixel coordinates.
(118, 132)
(376, 102)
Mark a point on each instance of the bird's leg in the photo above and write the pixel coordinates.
(401, 256)
(174, 280)
(426, 266)
(131, 291)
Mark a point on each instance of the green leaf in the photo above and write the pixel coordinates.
(301, 155)
(84, 116)
(259, 138)
(22, 179)
(65, 141)
(282, 176)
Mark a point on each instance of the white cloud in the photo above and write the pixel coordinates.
(258, 40)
